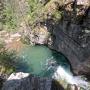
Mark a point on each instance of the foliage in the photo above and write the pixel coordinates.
(57, 15)
(9, 17)
(39, 12)
(25, 40)
(35, 10)
(8, 60)
(1, 15)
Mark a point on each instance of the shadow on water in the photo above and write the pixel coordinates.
(61, 59)
(22, 65)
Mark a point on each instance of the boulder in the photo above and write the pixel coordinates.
(25, 81)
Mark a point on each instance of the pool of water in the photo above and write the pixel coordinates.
(40, 60)
(44, 62)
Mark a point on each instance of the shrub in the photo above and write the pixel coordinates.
(8, 60)
(10, 22)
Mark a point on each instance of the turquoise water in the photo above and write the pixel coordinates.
(40, 60)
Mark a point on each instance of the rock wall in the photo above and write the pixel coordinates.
(71, 35)
(25, 81)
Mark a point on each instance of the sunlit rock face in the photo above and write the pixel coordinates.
(39, 35)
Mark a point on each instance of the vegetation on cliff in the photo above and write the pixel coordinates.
(8, 18)
(9, 61)
(42, 10)
(31, 12)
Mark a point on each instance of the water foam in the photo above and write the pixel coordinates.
(61, 74)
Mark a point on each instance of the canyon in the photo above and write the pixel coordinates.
(68, 34)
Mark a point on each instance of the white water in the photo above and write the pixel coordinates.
(61, 74)
(65, 76)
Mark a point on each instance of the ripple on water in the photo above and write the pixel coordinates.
(40, 60)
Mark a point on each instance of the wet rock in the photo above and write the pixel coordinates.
(72, 87)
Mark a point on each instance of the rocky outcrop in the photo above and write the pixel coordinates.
(71, 35)
(39, 35)
(25, 81)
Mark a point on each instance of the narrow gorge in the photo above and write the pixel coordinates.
(51, 44)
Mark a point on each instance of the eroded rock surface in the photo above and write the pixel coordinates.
(25, 81)
(71, 35)
(39, 36)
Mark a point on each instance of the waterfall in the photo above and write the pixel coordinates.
(62, 75)
(65, 76)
